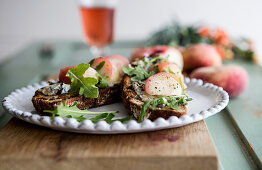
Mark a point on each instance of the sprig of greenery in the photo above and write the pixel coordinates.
(177, 34)
(137, 73)
(102, 80)
(171, 102)
(140, 73)
(73, 111)
(83, 85)
(100, 66)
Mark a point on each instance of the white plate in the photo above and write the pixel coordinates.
(208, 100)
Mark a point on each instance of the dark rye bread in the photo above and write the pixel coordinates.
(107, 95)
(134, 105)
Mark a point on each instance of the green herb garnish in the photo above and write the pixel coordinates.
(144, 110)
(99, 117)
(102, 81)
(100, 66)
(171, 102)
(83, 85)
(137, 73)
(73, 111)
(91, 62)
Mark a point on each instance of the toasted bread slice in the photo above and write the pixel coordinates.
(134, 104)
(107, 95)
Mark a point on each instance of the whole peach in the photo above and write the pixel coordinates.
(232, 78)
(200, 55)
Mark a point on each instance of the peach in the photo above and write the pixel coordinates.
(108, 70)
(119, 61)
(90, 72)
(164, 84)
(173, 54)
(167, 66)
(200, 55)
(62, 75)
(232, 78)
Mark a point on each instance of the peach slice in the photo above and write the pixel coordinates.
(90, 72)
(62, 75)
(170, 68)
(108, 70)
(118, 61)
(163, 84)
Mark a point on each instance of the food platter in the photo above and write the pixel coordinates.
(208, 100)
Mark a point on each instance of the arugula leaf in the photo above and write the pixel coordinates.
(85, 86)
(171, 102)
(143, 111)
(109, 118)
(137, 73)
(102, 82)
(124, 119)
(91, 62)
(140, 73)
(63, 110)
(100, 66)
(73, 111)
(99, 117)
(150, 62)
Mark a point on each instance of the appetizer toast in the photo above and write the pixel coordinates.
(134, 104)
(154, 86)
(89, 85)
(106, 95)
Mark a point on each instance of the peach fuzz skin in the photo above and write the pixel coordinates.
(200, 55)
(232, 78)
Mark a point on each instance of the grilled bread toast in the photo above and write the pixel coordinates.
(106, 95)
(133, 103)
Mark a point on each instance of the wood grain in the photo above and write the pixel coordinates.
(26, 146)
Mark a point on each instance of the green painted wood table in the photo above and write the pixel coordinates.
(236, 131)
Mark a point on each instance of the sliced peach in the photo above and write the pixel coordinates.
(90, 72)
(170, 68)
(163, 84)
(62, 75)
(118, 61)
(108, 70)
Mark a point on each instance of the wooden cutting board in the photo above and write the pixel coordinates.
(26, 146)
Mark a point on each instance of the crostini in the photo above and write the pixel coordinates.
(153, 86)
(89, 85)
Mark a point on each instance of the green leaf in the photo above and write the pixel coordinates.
(91, 62)
(100, 66)
(109, 118)
(171, 102)
(124, 119)
(143, 111)
(137, 73)
(73, 111)
(154, 104)
(85, 86)
(102, 82)
(99, 117)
